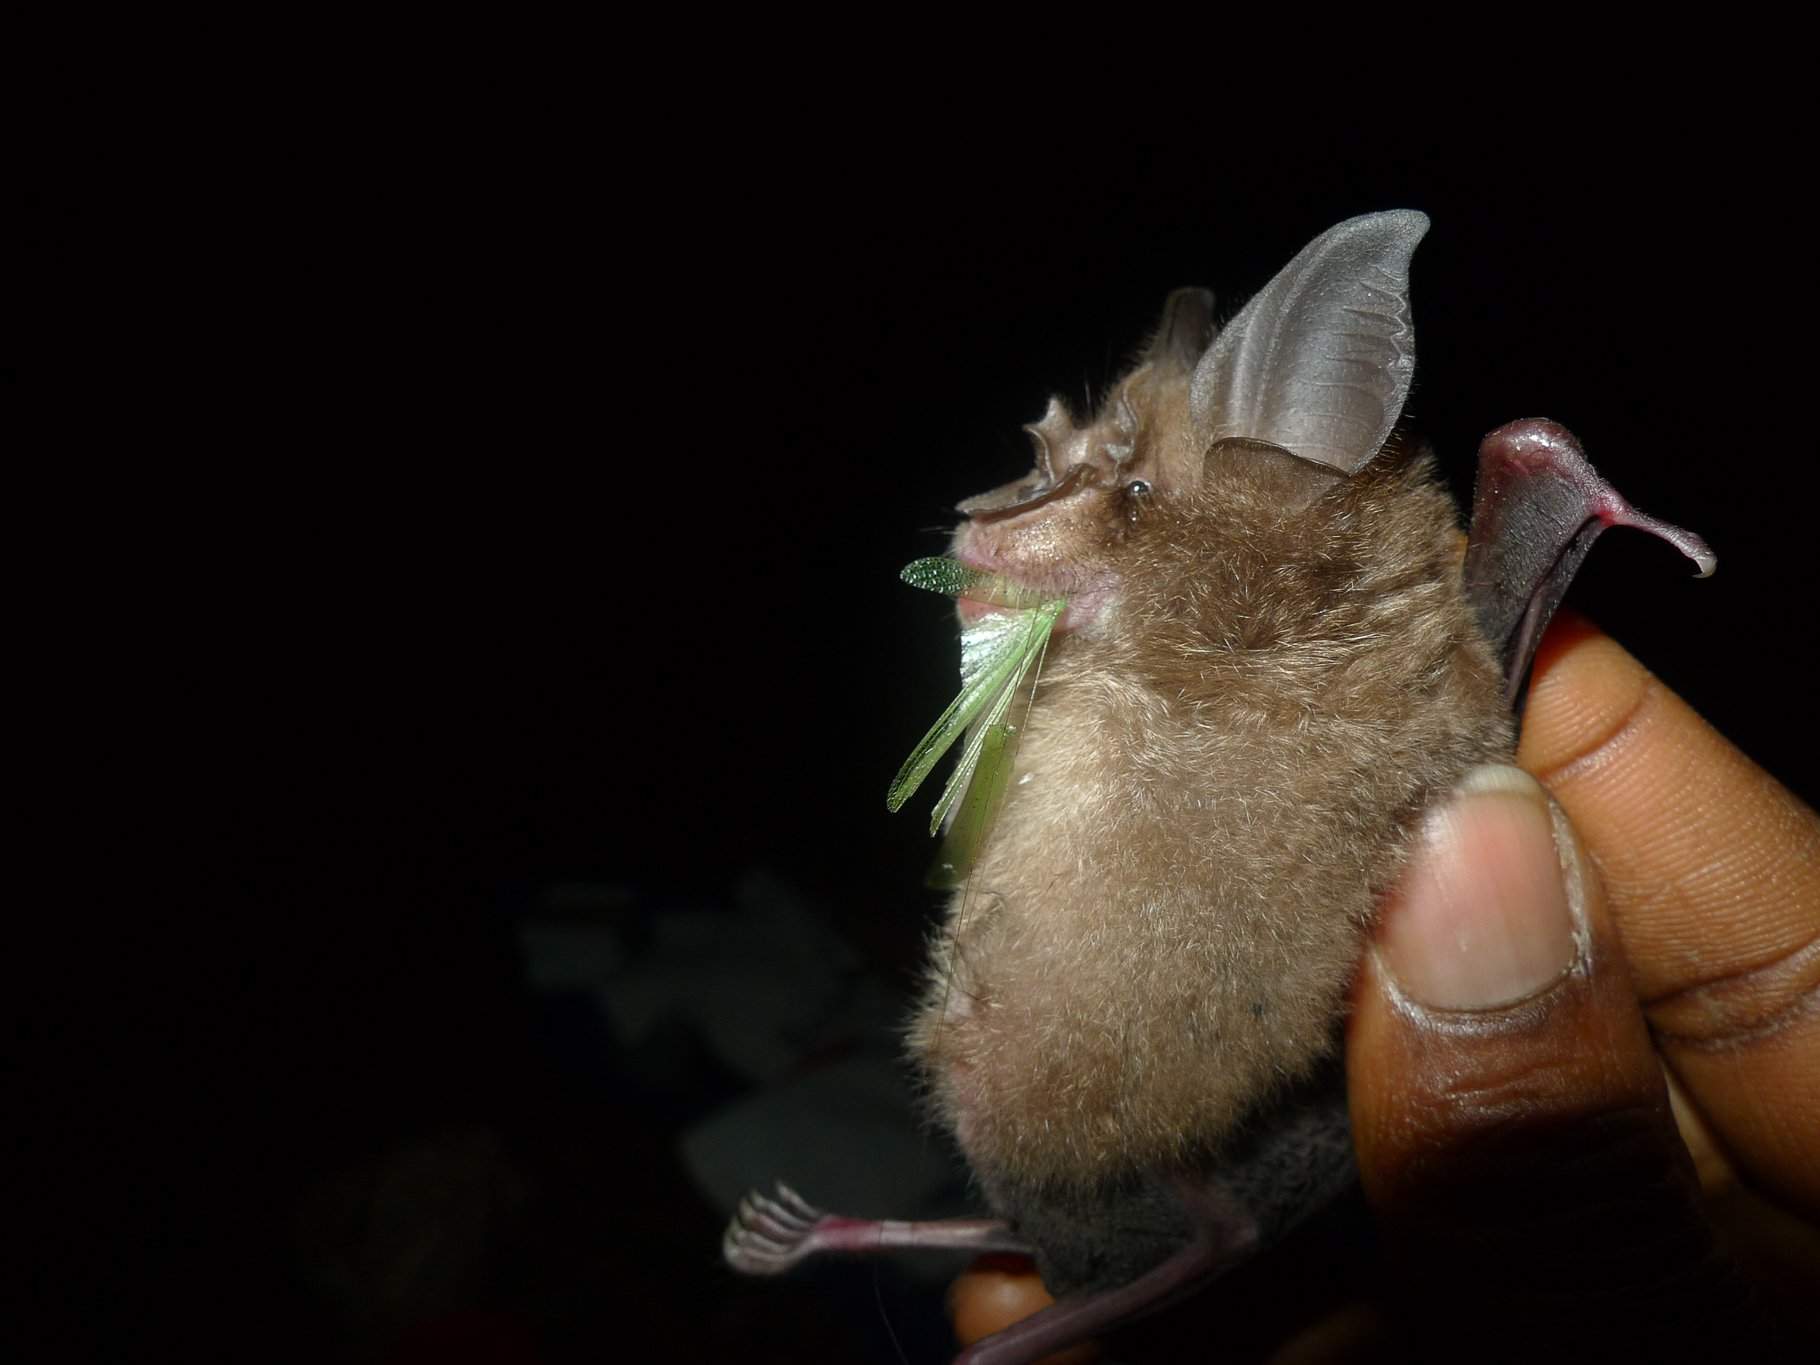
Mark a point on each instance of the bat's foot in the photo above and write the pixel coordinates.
(770, 1234)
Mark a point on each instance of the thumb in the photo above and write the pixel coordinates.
(1512, 1122)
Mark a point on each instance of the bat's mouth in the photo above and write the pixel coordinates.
(1078, 613)
(1086, 600)
(971, 611)
(1017, 537)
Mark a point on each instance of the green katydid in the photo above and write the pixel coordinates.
(998, 651)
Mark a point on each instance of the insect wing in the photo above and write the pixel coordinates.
(1023, 647)
(976, 809)
(993, 654)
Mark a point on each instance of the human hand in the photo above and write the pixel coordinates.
(1586, 1101)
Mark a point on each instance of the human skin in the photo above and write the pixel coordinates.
(1712, 872)
(1592, 1115)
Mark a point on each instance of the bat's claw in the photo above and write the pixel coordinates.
(771, 1233)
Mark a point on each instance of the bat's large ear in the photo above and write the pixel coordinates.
(1320, 361)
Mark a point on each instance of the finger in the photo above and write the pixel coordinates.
(1512, 1123)
(998, 1290)
(1713, 871)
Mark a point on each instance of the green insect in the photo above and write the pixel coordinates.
(998, 651)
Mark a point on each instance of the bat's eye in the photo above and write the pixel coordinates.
(1135, 493)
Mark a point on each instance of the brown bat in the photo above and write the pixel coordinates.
(1277, 651)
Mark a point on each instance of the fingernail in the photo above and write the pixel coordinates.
(1484, 916)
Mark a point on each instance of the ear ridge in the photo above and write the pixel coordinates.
(1320, 361)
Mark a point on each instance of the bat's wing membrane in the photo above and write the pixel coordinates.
(1536, 511)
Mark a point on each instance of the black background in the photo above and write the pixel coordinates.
(540, 489)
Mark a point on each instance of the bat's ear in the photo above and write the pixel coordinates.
(1320, 361)
(1182, 336)
(1284, 477)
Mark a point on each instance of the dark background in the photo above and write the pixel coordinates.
(540, 493)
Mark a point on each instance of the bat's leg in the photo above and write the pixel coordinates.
(770, 1234)
(1225, 1235)
(1277, 1175)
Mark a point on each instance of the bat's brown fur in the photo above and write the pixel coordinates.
(1217, 780)
(1268, 667)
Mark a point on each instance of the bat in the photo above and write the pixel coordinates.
(1222, 648)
